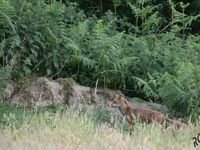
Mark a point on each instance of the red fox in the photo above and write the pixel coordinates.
(143, 114)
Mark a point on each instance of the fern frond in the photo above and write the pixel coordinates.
(125, 62)
(6, 14)
(81, 29)
(86, 62)
(144, 86)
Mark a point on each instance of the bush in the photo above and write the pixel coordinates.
(134, 53)
(181, 91)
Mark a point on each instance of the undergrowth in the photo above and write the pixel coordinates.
(135, 47)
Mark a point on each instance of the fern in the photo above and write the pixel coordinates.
(146, 13)
(180, 19)
(180, 92)
(7, 14)
(139, 46)
(124, 62)
(144, 86)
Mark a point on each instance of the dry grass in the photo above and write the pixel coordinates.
(72, 131)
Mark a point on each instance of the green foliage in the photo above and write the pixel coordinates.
(7, 14)
(181, 91)
(145, 12)
(5, 76)
(142, 49)
(14, 115)
(101, 114)
(145, 87)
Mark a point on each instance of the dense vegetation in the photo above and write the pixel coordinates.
(146, 48)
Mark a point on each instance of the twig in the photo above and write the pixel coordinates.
(95, 92)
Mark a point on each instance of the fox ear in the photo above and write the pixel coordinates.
(125, 101)
(119, 96)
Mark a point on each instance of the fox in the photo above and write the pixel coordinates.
(144, 115)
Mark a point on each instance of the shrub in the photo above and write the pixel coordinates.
(138, 53)
(181, 91)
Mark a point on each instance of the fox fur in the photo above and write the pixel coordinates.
(142, 114)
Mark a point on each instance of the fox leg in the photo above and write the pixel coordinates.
(131, 123)
(131, 129)
(162, 127)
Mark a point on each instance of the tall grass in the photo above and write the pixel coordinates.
(72, 130)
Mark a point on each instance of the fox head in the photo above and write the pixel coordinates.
(119, 101)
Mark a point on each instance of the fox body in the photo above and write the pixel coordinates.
(142, 114)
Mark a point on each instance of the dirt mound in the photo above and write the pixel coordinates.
(43, 91)
(39, 91)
